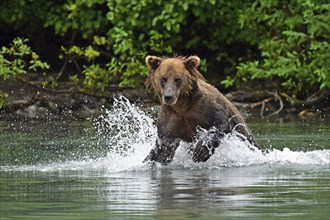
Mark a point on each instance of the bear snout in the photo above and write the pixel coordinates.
(168, 99)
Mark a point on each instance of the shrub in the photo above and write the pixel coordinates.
(294, 42)
(19, 59)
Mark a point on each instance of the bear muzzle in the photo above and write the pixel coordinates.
(169, 97)
(169, 100)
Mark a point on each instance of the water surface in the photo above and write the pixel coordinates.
(54, 169)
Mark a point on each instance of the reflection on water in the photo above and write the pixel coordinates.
(249, 192)
(92, 170)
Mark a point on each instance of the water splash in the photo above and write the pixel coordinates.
(129, 134)
(124, 127)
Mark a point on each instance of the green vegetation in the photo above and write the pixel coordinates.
(284, 44)
(294, 41)
(18, 59)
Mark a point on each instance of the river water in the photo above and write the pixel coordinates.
(59, 169)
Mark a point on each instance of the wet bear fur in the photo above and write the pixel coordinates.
(189, 102)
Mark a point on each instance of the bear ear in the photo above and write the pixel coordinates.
(153, 62)
(192, 62)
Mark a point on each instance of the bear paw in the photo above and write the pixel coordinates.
(202, 153)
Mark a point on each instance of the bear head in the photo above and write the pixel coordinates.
(172, 78)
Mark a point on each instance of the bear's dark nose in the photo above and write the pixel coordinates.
(168, 99)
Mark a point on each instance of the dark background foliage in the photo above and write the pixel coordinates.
(276, 45)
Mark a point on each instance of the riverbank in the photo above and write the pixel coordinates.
(31, 100)
(28, 99)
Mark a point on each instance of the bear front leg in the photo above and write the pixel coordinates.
(205, 148)
(202, 152)
(164, 150)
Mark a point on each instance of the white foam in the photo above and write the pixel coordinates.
(129, 134)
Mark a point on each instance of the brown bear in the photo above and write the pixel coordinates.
(187, 103)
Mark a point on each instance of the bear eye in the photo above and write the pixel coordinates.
(163, 80)
(178, 82)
